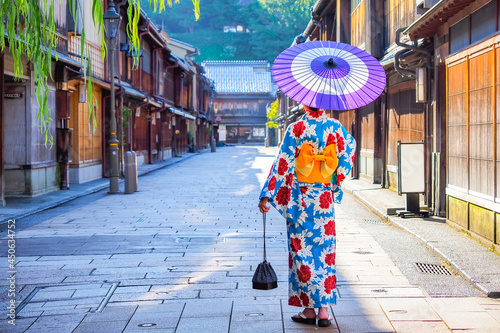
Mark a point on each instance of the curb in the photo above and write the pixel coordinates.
(94, 189)
(451, 263)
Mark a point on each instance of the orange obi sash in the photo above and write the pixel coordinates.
(315, 168)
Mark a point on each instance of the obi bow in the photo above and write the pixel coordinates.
(316, 168)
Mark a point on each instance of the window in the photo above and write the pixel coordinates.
(483, 22)
(354, 4)
(459, 35)
(146, 59)
(473, 28)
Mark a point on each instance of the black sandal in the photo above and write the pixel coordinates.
(324, 322)
(304, 320)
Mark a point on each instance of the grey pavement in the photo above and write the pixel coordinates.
(477, 263)
(179, 256)
(20, 207)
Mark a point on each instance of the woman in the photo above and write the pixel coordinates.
(314, 158)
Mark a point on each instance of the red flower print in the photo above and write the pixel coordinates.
(289, 179)
(303, 190)
(290, 260)
(282, 166)
(340, 178)
(294, 301)
(295, 244)
(330, 284)
(330, 259)
(340, 143)
(272, 184)
(331, 139)
(298, 129)
(325, 200)
(315, 114)
(352, 158)
(297, 152)
(305, 299)
(330, 228)
(304, 273)
(303, 203)
(283, 196)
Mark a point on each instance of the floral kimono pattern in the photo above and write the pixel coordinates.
(308, 207)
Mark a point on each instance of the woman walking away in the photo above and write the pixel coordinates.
(314, 158)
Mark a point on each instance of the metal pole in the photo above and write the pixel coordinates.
(212, 138)
(113, 140)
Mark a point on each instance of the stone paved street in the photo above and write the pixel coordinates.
(179, 255)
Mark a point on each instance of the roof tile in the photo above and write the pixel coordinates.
(244, 76)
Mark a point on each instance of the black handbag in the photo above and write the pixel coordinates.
(264, 277)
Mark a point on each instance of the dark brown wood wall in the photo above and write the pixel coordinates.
(406, 118)
(141, 131)
(358, 25)
(401, 14)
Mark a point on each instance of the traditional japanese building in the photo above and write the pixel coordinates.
(441, 62)
(244, 91)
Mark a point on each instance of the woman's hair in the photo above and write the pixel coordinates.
(310, 108)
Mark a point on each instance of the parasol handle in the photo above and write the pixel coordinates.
(264, 221)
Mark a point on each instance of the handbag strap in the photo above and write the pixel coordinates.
(264, 221)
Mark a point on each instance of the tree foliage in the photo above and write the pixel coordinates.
(30, 30)
(267, 27)
(272, 115)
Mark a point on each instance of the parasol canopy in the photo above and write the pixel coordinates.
(329, 75)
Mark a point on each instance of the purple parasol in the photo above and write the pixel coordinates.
(329, 75)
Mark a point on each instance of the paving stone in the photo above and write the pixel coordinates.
(103, 326)
(251, 326)
(211, 239)
(116, 313)
(420, 326)
(361, 324)
(206, 325)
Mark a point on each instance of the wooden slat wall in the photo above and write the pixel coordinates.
(457, 126)
(497, 122)
(169, 91)
(367, 128)
(347, 119)
(147, 82)
(87, 141)
(166, 138)
(481, 164)
(358, 23)
(141, 131)
(401, 14)
(473, 123)
(406, 121)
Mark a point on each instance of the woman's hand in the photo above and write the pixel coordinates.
(264, 208)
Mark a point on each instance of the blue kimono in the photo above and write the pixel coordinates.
(308, 207)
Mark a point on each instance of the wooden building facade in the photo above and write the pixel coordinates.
(451, 105)
(464, 37)
(244, 92)
(153, 106)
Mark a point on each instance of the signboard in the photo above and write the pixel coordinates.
(217, 118)
(12, 95)
(411, 167)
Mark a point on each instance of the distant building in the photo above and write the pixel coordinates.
(244, 90)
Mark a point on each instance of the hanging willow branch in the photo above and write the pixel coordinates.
(30, 31)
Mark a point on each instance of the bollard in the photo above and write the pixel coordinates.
(130, 172)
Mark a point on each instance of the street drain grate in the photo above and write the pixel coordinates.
(433, 269)
(93, 296)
